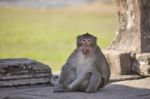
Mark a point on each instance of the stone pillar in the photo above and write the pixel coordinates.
(129, 51)
(134, 26)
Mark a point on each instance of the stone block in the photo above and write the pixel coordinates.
(141, 64)
(119, 61)
(21, 71)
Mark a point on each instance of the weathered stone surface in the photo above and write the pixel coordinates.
(134, 26)
(123, 63)
(119, 90)
(145, 25)
(119, 61)
(141, 64)
(20, 97)
(21, 71)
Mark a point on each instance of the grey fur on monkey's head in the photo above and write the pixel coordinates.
(87, 36)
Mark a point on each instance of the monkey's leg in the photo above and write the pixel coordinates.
(63, 87)
(75, 84)
(67, 77)
(94, 83)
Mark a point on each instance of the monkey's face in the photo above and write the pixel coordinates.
(86, 43)
(86, 46)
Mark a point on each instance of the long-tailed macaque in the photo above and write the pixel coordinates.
(86, 69)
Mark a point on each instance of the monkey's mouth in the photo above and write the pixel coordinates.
(85, 52)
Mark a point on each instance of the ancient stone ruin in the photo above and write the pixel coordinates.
(130, 50)
(21, 71)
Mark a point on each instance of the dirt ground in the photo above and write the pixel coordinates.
(129, 89)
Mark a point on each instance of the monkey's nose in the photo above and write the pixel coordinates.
(86, 46)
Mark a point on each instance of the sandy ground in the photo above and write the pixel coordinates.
(130, 89)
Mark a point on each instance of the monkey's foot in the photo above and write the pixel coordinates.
(90, 91)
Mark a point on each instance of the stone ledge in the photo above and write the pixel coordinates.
(124, 77)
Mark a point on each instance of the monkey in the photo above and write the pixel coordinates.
(86, 69)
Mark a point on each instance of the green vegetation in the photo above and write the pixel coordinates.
(49, 35)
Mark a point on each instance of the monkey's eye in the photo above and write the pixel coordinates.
(89, 40)
(83, 40)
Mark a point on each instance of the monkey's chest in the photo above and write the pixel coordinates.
(84, 66)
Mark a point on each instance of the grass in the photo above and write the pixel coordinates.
(49, 35)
